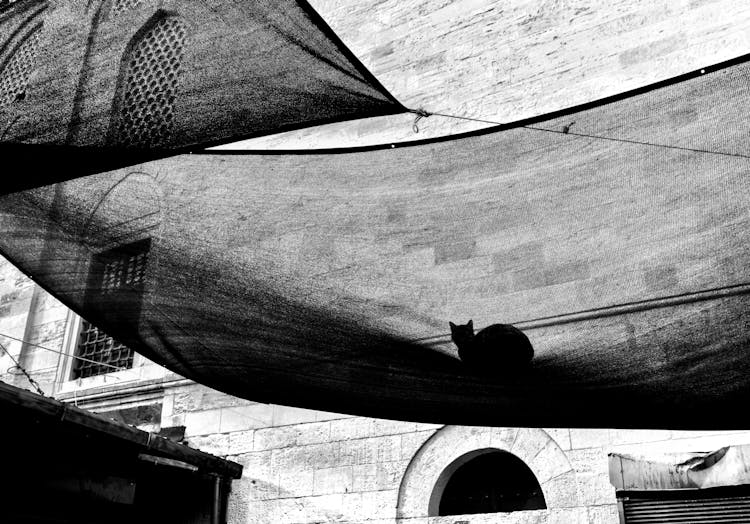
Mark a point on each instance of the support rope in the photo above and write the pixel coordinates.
(566, 131)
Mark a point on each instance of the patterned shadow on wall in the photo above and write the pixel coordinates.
(144, 105)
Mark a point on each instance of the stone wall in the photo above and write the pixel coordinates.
(501, 62)
(29, 314)
(305, 466)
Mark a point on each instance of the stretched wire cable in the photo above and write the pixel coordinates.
(424, 114)
(63, 353)
(19, 366)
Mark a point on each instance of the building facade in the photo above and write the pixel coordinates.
(304, 466)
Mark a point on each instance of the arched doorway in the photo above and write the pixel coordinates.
(486, 481)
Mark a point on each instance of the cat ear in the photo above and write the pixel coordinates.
(453, 326)
(470, 323)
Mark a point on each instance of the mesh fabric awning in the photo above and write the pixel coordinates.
(616, 235)
(105, 87)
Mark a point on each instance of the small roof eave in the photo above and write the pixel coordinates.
(77, 419)
(727, 466)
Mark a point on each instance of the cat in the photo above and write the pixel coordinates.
(502, 347)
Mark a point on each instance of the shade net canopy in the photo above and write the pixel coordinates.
(100, 88)
(615, 235)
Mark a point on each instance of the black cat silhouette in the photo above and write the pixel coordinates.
(499, 348)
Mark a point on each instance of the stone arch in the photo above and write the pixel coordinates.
(450, 445)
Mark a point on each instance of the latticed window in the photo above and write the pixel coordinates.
(146, 110)
(116, 280)
(14, 78)
(119, 6)
(121, 269)
(124, 272)
(100, 353)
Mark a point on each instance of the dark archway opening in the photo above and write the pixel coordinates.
(492, 482)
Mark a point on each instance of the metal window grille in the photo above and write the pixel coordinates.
(151, 76)
(124, 272)
(14, 78)
(102, 353)
(120, 6)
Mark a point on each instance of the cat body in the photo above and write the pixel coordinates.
(501, 346)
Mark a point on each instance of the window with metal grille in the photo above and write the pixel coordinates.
(491, 482)
(117, 279)
(99, 353)
(149, 89)
(124, 272)
(14, 78)
(116, 282)
(120, 6)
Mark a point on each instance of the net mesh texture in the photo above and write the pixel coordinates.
(147, 108)
(619, 244)
(14, 78)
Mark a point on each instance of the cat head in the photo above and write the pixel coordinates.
(463, 333)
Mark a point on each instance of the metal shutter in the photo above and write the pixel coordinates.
(730, 509)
